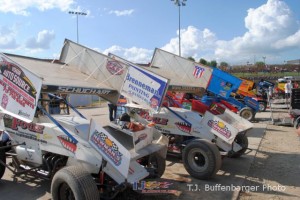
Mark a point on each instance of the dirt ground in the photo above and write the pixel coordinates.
(275, 171)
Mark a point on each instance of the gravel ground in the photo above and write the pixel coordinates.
(275, 172)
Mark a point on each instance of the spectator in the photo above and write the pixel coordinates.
(296, 85)
(112, 111)
(288, 89)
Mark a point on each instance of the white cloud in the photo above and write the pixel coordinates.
(271, 29)
(133, 54)
(193, 42)
(121, 12)
(42, 41)
(7, 38)
(21, 7)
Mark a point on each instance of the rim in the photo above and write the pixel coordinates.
(246, 114)
(65, 192)
(197, 160)
(153, 164)
(261, 106)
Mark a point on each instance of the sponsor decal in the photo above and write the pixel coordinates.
(226, 85)
(107, 146)
(115, 67)
(185, 88)
(198, 71)
(4, 101)
(22, 129)
(154, 187)
(158, 120)
(183, 126)
(197, 129)
(162, 129)
(22, 113)
(47, 136)
(223, 93)
(15, 124)
(154, 102)
(67, 143)
(220, 127)
(145, 115)
(140, 138)
(68, 89)
(16, 84)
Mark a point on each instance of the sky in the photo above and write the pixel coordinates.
(233, 31)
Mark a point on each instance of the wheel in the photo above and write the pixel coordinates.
(3, 159)
(157, 164)
(297, 122)
(262, 106)
(247, 113)
(201, 159)
(73, 183)
(242, 140)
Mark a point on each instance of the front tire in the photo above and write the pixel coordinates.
(242, 140)
(247, 113)
(74, 183)
(3, 159)
(201, 159)
(297, 122)
(262, 106)
(157, 163)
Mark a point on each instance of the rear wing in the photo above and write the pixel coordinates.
(19, 90)
(185, 75)
(132, 81)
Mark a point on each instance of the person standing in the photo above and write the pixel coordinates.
(112, 111)
(288, 89)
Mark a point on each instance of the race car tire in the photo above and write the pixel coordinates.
(201, 159)
(73, 182)
(157, 163)
(242, 140)
(247, 113)
(262, 106)
(3, 159)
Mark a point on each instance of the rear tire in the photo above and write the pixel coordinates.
(3, 159)
(201, 159)
(247, 113)
(242, 140)
(73, 182)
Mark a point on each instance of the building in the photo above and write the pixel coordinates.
(293, 62)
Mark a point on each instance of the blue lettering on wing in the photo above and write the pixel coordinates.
(141, 87)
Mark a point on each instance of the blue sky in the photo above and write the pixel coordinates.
(234, 31)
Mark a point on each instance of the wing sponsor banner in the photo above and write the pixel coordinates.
(19, 90)
(112, 150)
(144, 87)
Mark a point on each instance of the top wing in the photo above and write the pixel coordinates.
(185, 75)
